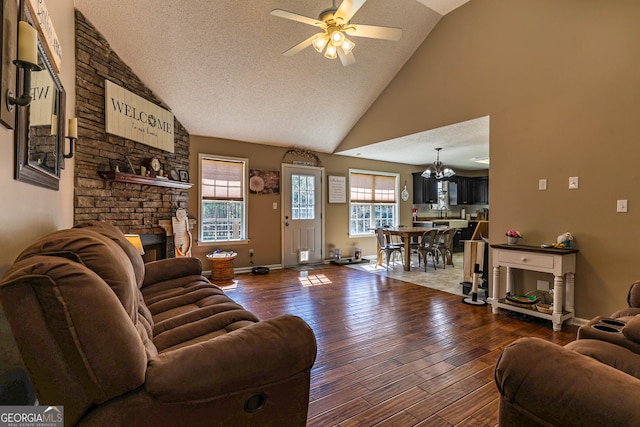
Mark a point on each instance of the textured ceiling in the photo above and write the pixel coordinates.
(463, 144)
(219, 64)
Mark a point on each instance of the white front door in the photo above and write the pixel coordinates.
(302, 209)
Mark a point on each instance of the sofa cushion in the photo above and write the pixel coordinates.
(77, 329)
(109, 261)
(608, 353)
(114, 233)
(633, 298)
(632, 329)
(191, 310)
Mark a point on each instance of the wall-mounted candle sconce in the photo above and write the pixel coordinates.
(72, 136)
(27, 62)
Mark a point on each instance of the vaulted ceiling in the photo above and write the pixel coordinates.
(219, 66)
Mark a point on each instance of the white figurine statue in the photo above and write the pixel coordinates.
(565, 239)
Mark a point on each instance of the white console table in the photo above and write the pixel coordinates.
(559, 262)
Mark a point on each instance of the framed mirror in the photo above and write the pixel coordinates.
(40, 126)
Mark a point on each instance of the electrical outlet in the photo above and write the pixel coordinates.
(621, 206)
(542, 285)
(250, 252)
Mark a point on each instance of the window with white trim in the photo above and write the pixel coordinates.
(223, 209)
(373, 201)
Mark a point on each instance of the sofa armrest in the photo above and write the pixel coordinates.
(171, 268)
(263, 353)
(556, 386)
(626, 312)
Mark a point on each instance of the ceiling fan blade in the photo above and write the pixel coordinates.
(374, 32)
(299, 18)
(346, 58)
(300, 46)
(348, 8)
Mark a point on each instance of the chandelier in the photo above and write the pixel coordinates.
(438, 169)
(333, 36)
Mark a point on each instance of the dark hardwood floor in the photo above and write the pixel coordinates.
(390, 352)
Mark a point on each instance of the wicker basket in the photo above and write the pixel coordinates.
(544, 308)
(518, 304)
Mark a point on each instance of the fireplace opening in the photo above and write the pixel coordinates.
(155, 247)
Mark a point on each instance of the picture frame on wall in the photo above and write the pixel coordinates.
(264, 181)
(184, 175)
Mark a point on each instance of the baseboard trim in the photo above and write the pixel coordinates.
(242, 270)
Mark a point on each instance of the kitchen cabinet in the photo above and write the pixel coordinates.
(481, 190)
(473, 191)
(425, 190)
(467, 233)
(465, 190)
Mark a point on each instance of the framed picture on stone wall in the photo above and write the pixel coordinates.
(184, 175)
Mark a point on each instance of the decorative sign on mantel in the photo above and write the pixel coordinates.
(133, 117)
(41, 16)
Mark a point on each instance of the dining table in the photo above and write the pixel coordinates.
(407, 233)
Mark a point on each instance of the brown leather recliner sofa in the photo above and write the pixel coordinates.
(121, 343)
(593, 381)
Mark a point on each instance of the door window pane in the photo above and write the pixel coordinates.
(303, 197)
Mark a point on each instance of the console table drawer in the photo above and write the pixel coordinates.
(526, 259)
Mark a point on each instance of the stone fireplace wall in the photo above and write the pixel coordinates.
(134, 208)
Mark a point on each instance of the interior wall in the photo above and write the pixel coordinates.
(28, 211)
(560, 83)
(265, 223)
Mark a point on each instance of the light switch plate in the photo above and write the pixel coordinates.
(542, 184)
(621, 206)
(573, 182)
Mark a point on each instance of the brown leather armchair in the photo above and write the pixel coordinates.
(593, 381)
(118, 342)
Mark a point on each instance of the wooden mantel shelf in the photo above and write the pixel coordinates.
(144, 180)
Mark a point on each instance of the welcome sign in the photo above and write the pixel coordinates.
(43, 96)
(133, 117)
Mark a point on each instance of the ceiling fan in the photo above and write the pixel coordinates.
(334, 23)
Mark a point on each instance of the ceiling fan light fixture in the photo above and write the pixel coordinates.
(335, 24)
(337, 38)
(320, 41)
(331, 52)
(347, 45)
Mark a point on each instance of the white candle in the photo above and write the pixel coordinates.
(27, 43)
(54, 125)
(73, 127)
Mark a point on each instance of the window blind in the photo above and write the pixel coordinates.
(222, 179)
(372, 188)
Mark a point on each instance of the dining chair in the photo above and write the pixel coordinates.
(445, 246)
(428, 248)
(387, 247)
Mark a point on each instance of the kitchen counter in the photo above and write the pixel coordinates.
(453, 223)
